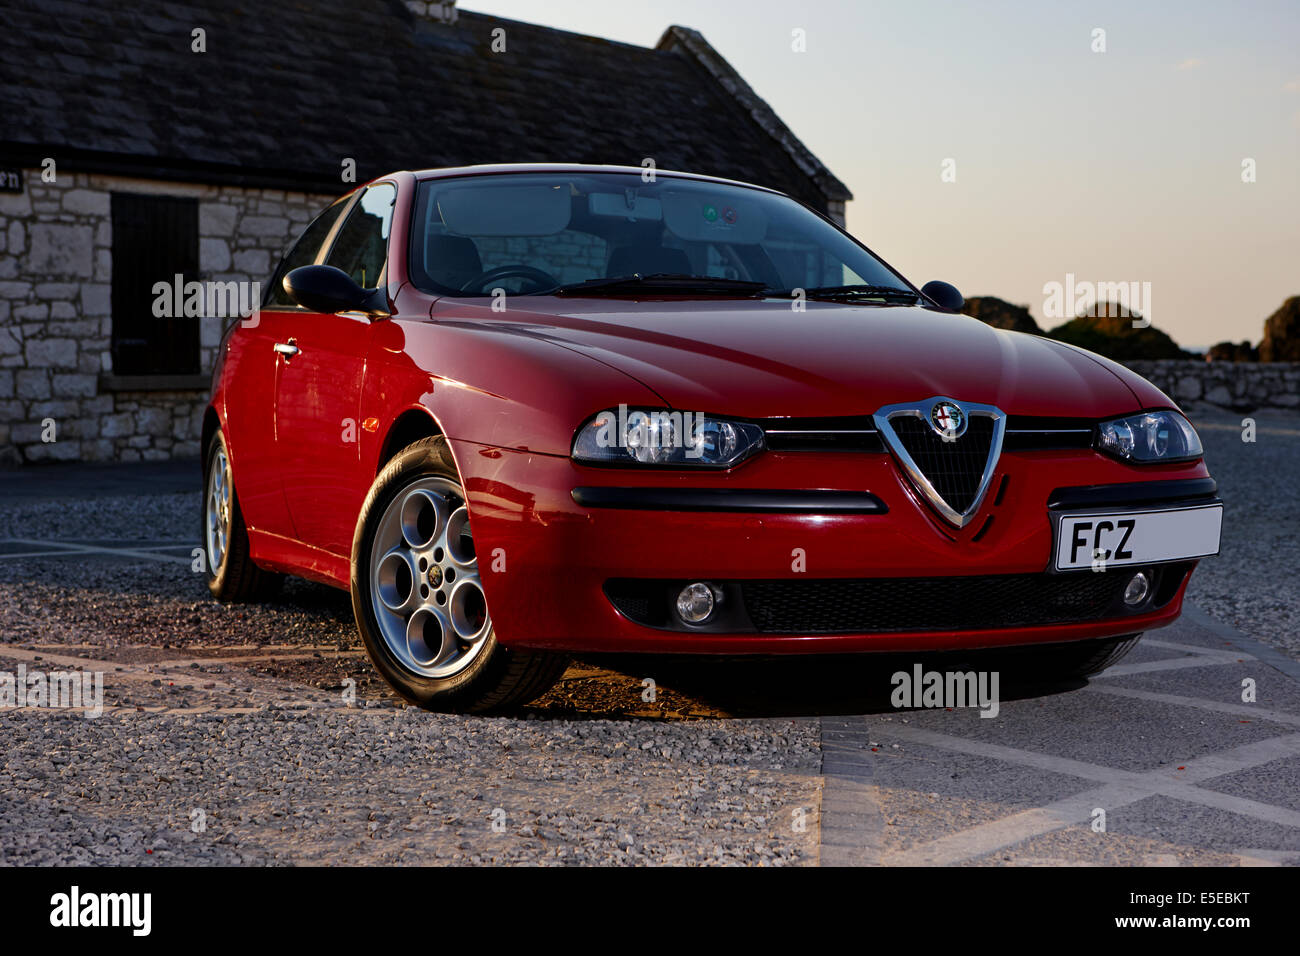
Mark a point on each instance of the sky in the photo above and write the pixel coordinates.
(1122, 165)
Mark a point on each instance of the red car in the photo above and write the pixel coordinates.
(521, 411)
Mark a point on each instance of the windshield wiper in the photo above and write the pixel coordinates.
(862, 290)
(659, 281)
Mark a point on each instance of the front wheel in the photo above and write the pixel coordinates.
(418, 598)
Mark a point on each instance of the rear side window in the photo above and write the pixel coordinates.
(304, 252)
(361, 247)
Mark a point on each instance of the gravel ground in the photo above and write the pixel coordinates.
(399, 786)
(238, 716)
(1251, 584)
(238, 712)
(171, 517)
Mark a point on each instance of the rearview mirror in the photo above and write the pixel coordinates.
(944, 295)
(327, 289)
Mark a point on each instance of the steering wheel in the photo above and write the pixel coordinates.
(544, 280)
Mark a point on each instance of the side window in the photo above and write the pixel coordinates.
(361, 246)
(304, 252)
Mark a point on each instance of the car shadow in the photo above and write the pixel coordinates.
(676, 687)
(168, 607)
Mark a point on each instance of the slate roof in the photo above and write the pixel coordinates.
(286, 90)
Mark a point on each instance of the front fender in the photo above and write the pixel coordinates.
(491, 384)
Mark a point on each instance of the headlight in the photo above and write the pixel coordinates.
(660, 437)
(1150, 436)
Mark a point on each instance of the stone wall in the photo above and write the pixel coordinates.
(1240, 386)
(56, 325)
(442, 11)
(56, 262)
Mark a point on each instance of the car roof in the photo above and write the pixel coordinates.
(491, 169)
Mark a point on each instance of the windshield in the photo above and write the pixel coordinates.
(535, 233)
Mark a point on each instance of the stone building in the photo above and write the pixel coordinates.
(149, 140)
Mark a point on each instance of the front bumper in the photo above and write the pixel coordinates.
(547, 560)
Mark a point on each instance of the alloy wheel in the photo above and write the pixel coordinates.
(424, 581)
(217, 517)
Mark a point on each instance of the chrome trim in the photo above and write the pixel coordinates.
(921, 410)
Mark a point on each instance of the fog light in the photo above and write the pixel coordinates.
(695, 603)
(1139, 586)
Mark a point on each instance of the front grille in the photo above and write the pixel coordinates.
(1046, 441)
(859, 441)
(1033, 433)
(845, 433)
(954, 468)
(882, 605)
(858, 433)
(868, 605)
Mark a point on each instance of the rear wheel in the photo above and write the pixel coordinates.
(418, 598)
(231, 573)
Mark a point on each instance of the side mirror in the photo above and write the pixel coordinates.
(944, 295)
(327, 289)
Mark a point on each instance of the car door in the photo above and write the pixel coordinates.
(318, 394)
(253, 368)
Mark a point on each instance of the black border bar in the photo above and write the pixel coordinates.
(731, 499)
(1132, 493)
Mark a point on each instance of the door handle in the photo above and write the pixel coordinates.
(287, 349)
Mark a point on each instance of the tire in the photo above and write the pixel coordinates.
(418, 600)
(231, 573)
(1077, 660)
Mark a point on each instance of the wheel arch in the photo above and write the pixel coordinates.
(410, 426)
(211, 422)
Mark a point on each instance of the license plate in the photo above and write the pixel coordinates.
(1137, 537)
